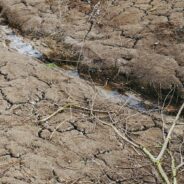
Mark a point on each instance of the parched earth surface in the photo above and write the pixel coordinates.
(135, 43)
(76, 146)
(73, 146)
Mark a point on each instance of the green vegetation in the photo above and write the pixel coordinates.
(51, 65)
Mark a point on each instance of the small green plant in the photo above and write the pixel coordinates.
(51, 65)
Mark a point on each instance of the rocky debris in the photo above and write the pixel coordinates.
(100, 35)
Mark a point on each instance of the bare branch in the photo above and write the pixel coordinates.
(66, 106)
(173, 168)
(164, 147)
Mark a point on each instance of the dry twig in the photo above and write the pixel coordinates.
(67, 106)
(156, 160)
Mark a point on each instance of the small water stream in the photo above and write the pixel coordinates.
(18, 43)
(128, 98)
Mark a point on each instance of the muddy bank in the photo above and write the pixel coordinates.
(15, 42)
(137, 43)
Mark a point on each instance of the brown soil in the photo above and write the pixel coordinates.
(81, 149)
(74, 146)
(139, 43)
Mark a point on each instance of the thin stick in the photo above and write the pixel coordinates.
(119, 133)
(61, 109)
(58, 127)
(94, 110)
(173, 168)
(164, 147)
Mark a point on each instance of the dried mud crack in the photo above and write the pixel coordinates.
(139, 42)
(135, 43)
(80, 149)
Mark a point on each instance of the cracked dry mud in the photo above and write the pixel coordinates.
(135, 42)
(80, 150)
(74, 147)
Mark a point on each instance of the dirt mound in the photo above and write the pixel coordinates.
(106, 34)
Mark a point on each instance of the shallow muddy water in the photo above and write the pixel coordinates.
(129, 99)
(19, 44)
